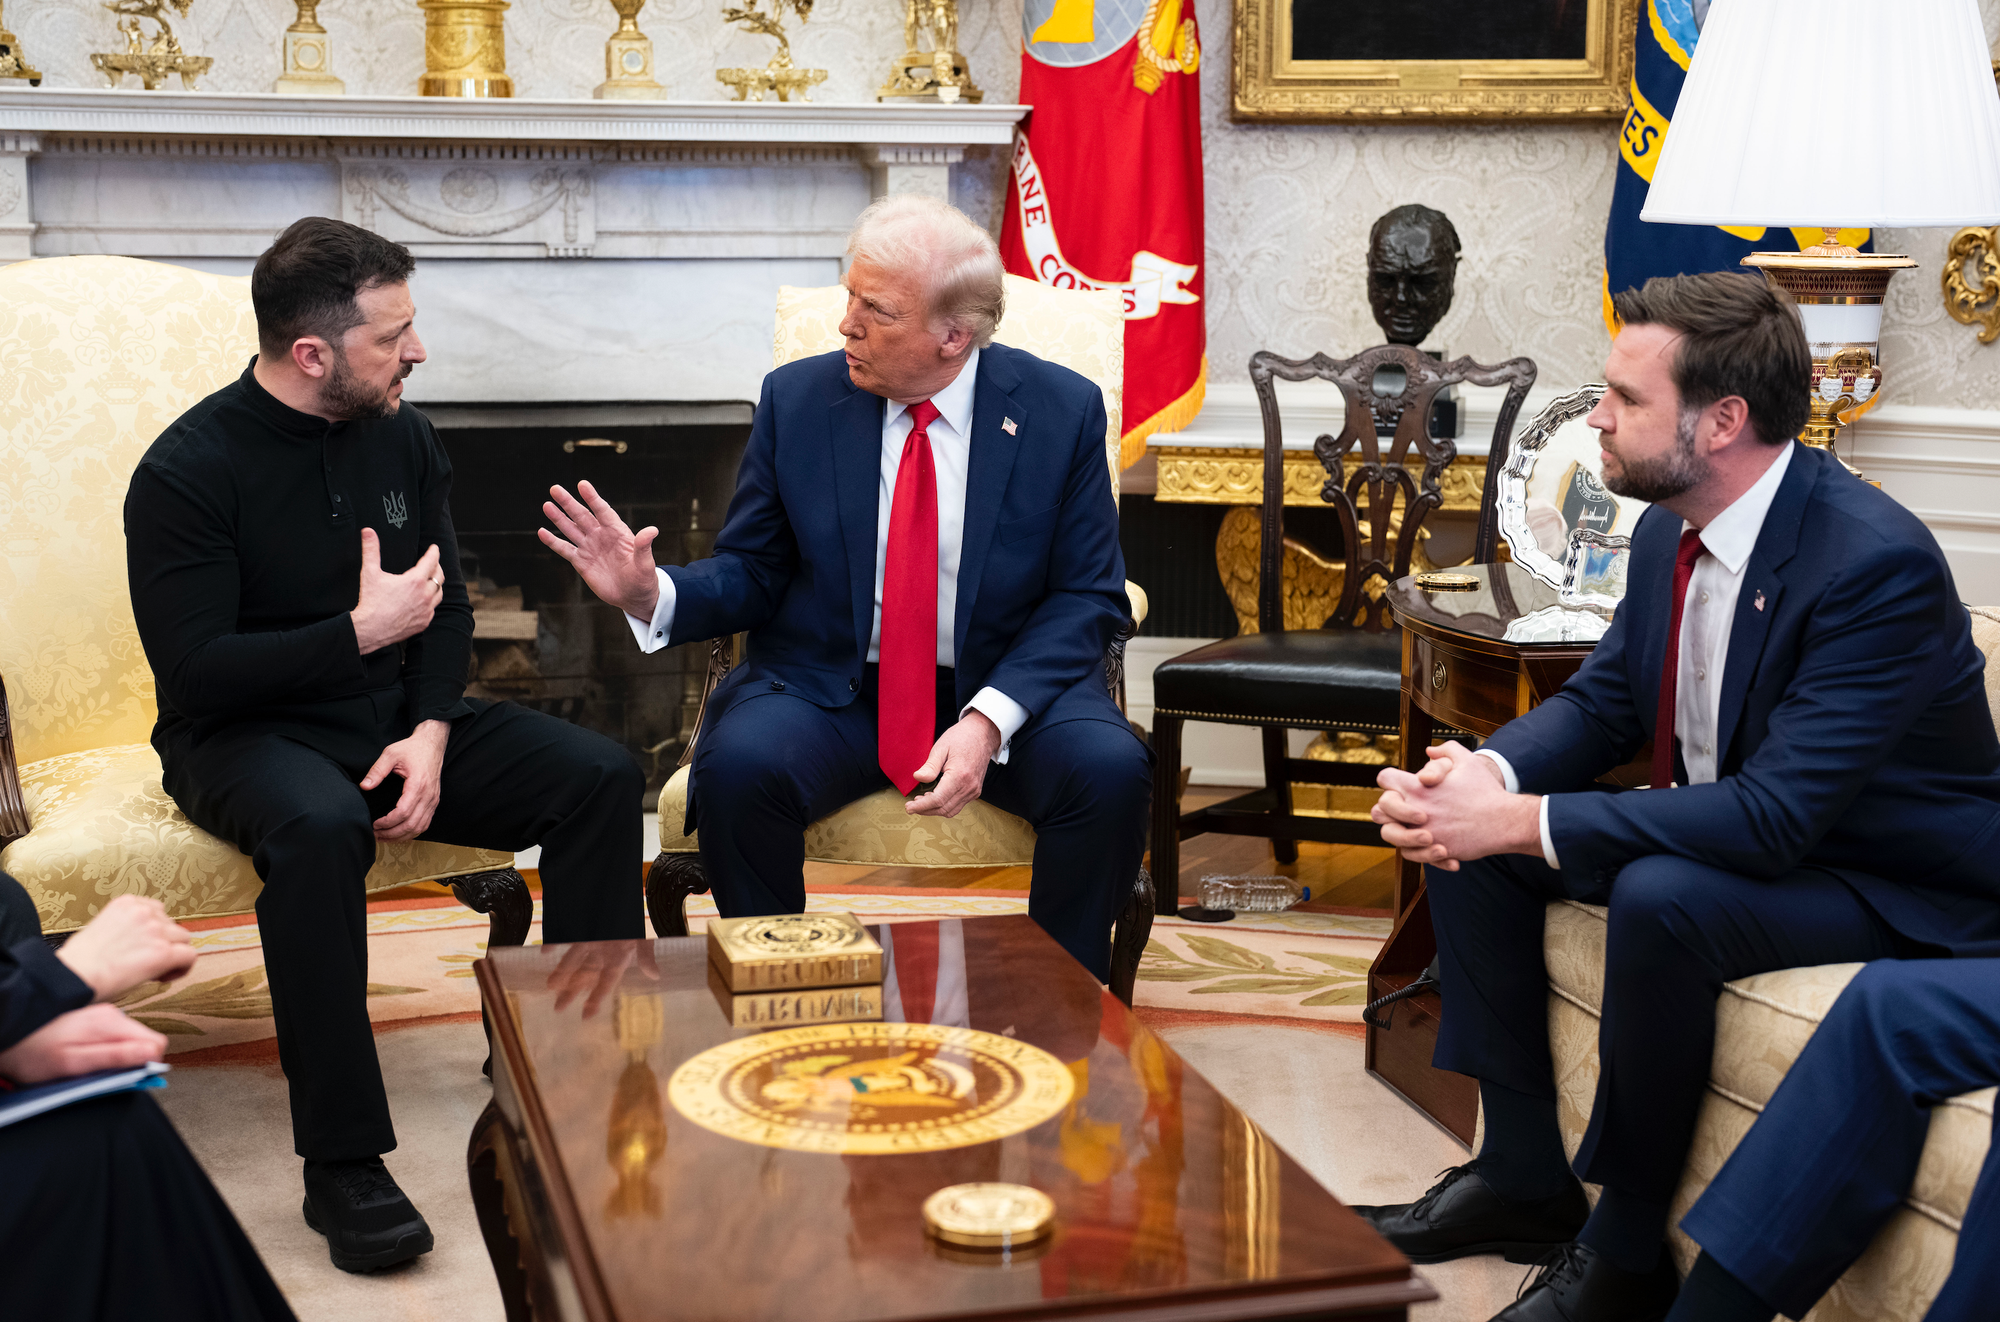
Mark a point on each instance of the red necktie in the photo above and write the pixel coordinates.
(906, 694)
(1663, 726)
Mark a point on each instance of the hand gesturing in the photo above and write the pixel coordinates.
(616, 562)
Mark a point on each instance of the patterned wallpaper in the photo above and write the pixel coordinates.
(1288, 207)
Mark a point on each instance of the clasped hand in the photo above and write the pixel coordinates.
(958, 763)
(1455, 808)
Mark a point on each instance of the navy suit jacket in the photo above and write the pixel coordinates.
(1041, 581)
(1854, 733)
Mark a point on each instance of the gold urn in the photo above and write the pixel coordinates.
(465, 49)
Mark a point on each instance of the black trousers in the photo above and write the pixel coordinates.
(775, 763)
(286, 793)
(106, 1217)
(1678, 930)
(1830, 1159)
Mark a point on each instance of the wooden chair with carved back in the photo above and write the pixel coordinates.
(1383, 472)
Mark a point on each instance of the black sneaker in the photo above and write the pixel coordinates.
(368, 1222)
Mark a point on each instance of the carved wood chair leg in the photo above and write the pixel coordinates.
(504, 895)
(671, 879)
(1166, 864)
(489, 1204)
(1128, 938)
(1280, 783)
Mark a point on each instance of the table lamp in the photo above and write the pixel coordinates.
(1827, 115)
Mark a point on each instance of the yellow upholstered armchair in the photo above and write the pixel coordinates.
(1085, 332)
(97, 356)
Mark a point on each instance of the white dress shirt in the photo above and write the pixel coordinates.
(1706, 619)
(951, 454)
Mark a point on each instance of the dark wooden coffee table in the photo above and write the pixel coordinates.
(600, 1200)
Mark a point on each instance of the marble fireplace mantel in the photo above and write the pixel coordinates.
(703, 207)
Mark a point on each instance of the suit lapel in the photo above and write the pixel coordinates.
(990, 464)
(855, 433)
(1763, 590)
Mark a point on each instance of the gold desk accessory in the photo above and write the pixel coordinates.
(1839, 292)
(155, 62)
(628, 59)
(465, 49)
(791, 1009)
(989, 1216)
(1440, 581)
(793, 952)
(940, 73)
(308, 57)
(13, 64)
(780, 75)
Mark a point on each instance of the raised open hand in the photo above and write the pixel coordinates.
(394, 606)
(616, 562)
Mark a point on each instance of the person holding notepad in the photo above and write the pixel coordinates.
(104, 1213)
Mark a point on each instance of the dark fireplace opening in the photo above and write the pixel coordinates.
(540, 637)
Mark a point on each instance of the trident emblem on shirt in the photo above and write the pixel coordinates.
(392, 505)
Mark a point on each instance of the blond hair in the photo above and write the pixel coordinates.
(956, 262)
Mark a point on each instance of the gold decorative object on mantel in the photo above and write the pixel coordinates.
(13, 64)
(940, 73)
(465, 49)
(1976, 251)
(151, 63)
(628, 60)
(308, 57)
(780, 75)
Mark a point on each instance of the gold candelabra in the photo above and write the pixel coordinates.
(940, 73)
(13, 64)
(465, 49)
(628, 59)
(308, 57)
(155, 61)
(780, 75)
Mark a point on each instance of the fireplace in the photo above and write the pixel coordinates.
(540, 637)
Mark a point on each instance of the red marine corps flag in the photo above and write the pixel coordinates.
(1106, 186)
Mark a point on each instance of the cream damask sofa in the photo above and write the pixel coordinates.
(1762, 1023)
(97, 356)
(1085, 332)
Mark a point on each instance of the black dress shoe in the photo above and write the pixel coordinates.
(368, 1222)
(1581, 1285)
(1460, 1215)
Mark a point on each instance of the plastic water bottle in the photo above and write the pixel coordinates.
(1244, 894)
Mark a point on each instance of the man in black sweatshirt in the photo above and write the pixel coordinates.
(297, 588)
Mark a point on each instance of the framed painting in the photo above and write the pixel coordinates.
(1451, 60)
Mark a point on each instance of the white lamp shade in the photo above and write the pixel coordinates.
(1834, 112)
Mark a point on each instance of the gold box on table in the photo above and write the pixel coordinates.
(793, 952)
(771, 1010)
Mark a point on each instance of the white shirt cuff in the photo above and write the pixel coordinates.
(1513, 783)
(652, 635)
(1003, 711)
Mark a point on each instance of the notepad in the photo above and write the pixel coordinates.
(15, 1106)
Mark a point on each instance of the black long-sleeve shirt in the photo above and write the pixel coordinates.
(243, 548)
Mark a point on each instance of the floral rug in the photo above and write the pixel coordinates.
(1307, 969)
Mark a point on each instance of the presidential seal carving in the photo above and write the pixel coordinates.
(797, 934)
(871, 1088)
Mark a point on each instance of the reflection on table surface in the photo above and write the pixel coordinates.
(1159, 1183)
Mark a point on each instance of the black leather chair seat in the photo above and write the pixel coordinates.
(1336, 678)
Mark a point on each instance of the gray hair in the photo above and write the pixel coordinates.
(955, 260)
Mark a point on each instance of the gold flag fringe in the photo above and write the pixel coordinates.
(1132, 446)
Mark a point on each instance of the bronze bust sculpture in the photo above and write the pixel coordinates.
(1412, 264)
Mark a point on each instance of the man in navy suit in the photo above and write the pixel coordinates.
(1829, 1161)
(923, 548)
(1826, 789)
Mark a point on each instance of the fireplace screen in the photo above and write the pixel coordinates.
(540, 637)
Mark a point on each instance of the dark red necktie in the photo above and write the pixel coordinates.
(906, 696)
(1670, 670)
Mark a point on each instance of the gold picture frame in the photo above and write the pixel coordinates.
(1269, 84)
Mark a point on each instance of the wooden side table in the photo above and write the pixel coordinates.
(1459, 671)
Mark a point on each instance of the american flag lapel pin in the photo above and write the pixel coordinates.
(1759, 602)
(1009, 426)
